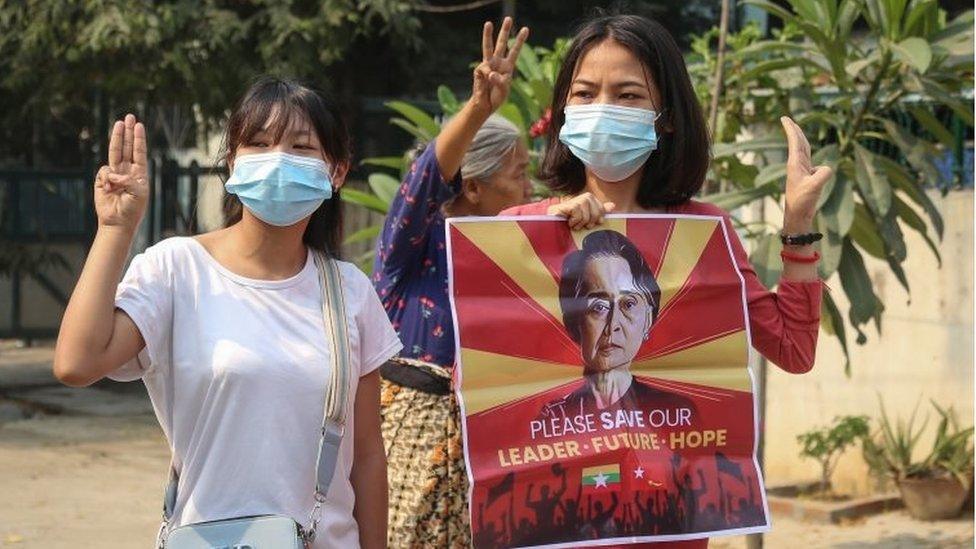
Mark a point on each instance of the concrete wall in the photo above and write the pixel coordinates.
(39, 309)
(924, 351)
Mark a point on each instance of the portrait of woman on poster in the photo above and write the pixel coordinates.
(610, 301)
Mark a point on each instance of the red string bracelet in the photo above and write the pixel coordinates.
(796, 258)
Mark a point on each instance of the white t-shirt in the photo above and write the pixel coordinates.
(237, 369)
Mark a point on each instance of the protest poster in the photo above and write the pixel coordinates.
(603, 380)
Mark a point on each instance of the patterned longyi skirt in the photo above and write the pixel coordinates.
(426, 471)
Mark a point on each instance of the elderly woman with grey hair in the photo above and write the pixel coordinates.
(476, 166)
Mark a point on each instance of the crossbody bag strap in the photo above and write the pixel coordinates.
(337, 393)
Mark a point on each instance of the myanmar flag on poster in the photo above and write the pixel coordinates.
(603, 476)
(603, 380)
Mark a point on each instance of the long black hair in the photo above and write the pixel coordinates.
(677, 169)
(284, 98)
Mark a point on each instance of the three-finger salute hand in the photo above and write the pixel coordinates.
(493, 76)
(121, 187)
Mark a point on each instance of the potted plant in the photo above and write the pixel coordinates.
(936, 487)
(827, 444)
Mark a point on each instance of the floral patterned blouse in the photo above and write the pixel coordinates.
(410, 269)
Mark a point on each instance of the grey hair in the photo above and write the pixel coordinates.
(496, 138)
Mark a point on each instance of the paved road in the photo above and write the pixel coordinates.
(86, 469)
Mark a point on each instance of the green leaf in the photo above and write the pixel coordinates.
(417, 117)
(921, 11)
(828, 156)
(528, 64)
(918, 152)
(384, 186)
(831, 248)
(512, 113)
(833, 323)
(366, 200)
(720, 150)
(772, 8)
(772, 173)
(901, 180)
(855, 67)
(914, 51)
(541, 91)
(928, 121)
(962, 24)
(413, 129)
(365, 261)
(838, 210)
(525, 100)
(935, 90)
(734, 199)
(847, 14)
(915, 222)
(766, 260)
(873, 185)
(523, 89)
(899, 274)
(365, 234)
(449, 103)
(864, 232)
(394, 162)
(764, 68)
(877, 19)
(809, 10)
(769, 46)
(865, 305)
(743, 176)
(891, 234)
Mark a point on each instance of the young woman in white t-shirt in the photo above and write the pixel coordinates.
(226, 329)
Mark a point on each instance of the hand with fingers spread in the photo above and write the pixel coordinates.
(492, 80)
(121, 188)
(583, 211)
(493, 76)
(804, 181)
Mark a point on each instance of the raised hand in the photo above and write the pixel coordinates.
(121, 189)
(804, 181)
(493, 76)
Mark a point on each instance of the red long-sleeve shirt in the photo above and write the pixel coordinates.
(784, 324)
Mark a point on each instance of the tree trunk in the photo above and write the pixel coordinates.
(723, 31)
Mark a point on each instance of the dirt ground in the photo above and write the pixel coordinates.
(92, 476)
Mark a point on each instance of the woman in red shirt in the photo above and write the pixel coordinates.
(628, 136)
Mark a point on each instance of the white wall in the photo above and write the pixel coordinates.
(925, 350)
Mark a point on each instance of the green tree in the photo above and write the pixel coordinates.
(826, 444)
(60, 59)
(860, 95)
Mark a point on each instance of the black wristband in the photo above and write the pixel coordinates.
(800, 239)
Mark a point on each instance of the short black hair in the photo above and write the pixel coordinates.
(292, 98)
(605, 243)
(676, 170)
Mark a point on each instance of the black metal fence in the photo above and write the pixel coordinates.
(47, 223)
(46, 218)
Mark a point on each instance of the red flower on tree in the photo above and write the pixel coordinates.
(541, 125)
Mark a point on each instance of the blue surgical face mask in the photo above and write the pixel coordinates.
(612, 141)
(280, 189)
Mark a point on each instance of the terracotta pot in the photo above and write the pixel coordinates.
(933, 498)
